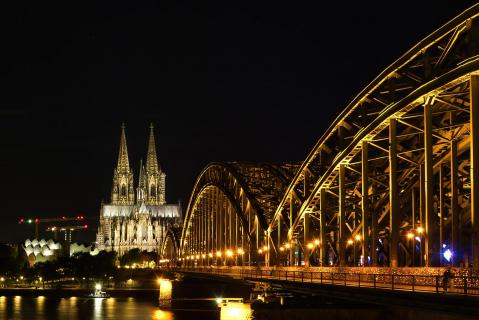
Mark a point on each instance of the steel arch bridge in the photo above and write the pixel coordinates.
(392, 181)
(229, 210)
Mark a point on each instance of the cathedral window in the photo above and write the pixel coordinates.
(123, 190)
(152, 190)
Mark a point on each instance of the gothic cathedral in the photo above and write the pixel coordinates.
(139, 221)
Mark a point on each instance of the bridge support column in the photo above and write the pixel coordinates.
(365, 204)
(290, 233)
(342, 218)
(474, 147)
(441, 213)
(322, 228)
(454, 206)
(307, 239)
(422, 211)
(393, 196)
(267, 254)
(430, 245)
(279, 252)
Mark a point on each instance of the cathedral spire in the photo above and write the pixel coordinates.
(122, 192)
(155, 178)
(151, 160)
(141, 190)
(123, 162)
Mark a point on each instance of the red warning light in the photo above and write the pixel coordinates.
(86, 226)
(21, 220)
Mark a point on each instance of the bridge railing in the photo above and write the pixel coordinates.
(460, 284)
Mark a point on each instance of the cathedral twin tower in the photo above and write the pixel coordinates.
(139, 221)
(151, 181)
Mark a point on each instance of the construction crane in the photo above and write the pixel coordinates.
(38, 221)
(67, 229)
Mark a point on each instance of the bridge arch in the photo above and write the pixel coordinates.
(170, 248)
(229, 211)
(391, 182)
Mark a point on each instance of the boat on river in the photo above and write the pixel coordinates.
(98, 293)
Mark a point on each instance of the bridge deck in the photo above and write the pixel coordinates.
(459, 285)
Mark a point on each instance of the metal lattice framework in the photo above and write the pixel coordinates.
(391, 182)
(229, 210)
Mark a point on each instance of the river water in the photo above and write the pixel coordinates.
(190, 300)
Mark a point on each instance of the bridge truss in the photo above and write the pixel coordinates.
(392, 182)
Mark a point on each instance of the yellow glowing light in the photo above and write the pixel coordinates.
(2, 279)
(287, 245)
(219, 300)
(281, 249)
(42, 278)
(420, 230)
(197, 256)
(310, 245)
(265, 248)
(240, 251)
(316, 242)
(235, 311)
(21, 277)
(210, 255)
(161, 315)
(218, 253)
(350, 241)
(260, 251)
(165, 284)
(229, 253)
(410, 235)
(357, 237)
(203, 256)
(98, 286)
(188, 258)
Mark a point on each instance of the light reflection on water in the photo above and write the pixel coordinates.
(79, 308)
(156, 307)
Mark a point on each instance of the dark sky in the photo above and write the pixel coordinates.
(257, 82)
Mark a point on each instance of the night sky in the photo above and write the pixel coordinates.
(256, 82)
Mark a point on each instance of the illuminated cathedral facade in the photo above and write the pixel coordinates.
(136, 219)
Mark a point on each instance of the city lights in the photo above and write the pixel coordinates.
(240, 251)
(310, 245)
(350, 241)
(420, 230)
(410, 235)
(316, 242)
(218, 253)
(229, 253)
(357, 237)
